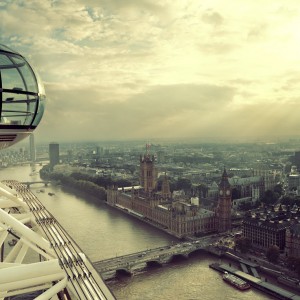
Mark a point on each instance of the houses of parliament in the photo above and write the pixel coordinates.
(176, 214)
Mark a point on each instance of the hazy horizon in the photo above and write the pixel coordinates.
(144, 70)
(294, 141)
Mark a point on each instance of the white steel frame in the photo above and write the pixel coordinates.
(62, 272)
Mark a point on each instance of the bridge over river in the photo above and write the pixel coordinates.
(158, 256)
(29, 183)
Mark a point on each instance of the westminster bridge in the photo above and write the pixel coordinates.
(128, 264)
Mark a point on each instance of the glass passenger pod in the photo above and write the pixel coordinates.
(22, 97)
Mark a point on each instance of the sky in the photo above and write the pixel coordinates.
(167, 69)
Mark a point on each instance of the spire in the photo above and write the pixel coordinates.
(148, 174)
(224, 181)
(148, 145)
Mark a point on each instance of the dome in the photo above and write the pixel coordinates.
(22, 97)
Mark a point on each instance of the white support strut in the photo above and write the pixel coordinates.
(25, 231)
(27, 228)
(53, 290)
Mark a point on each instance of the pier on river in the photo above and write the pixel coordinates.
(257, 282)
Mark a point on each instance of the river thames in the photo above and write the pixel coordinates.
(103, 232)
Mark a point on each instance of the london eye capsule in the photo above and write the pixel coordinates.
(22, 97)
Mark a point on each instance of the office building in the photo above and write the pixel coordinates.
(54, 154)
(297, 160)
(265, 232)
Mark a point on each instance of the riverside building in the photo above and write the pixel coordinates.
(179, 216)
(280, 227)
(264, 233)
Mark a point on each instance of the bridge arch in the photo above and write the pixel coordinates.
(123, 273)
(178, 257)
(153, 264)
(196, 252)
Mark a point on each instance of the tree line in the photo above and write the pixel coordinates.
(93, 185)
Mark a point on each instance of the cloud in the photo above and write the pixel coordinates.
(161, 109)
(291, 82)
(257, 32)
(132, 69)
(217, 48)
(212, 18)
(241, 81)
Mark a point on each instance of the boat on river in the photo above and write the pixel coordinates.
(236, 281)
(293, 282)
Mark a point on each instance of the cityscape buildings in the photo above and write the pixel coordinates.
(153, 197)
(181, 216)
(275, 226)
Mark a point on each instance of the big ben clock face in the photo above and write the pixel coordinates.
(221, 192)
(227, 192)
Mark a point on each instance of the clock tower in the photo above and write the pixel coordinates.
(148, 173)
(224, 204)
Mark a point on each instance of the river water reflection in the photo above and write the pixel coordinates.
(103, 232)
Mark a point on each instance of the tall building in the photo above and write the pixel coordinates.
(54, 154)
(297, 160)
(148, 173)
(224, 204)
(32, 148)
